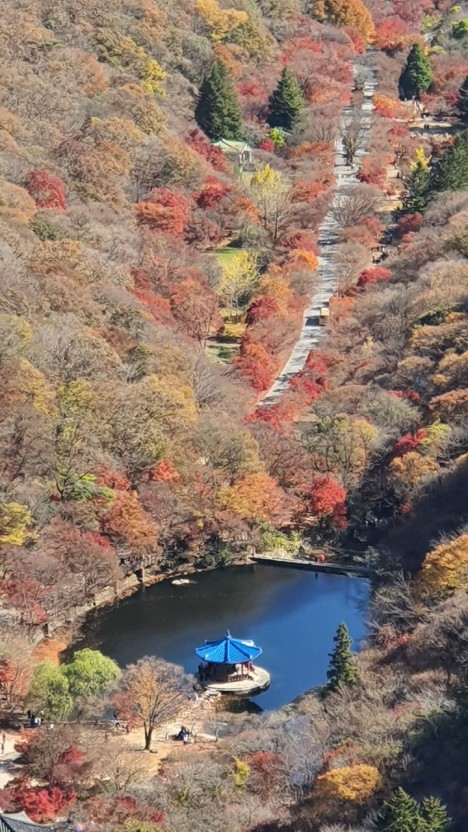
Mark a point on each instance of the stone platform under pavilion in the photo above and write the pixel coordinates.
(228, 667)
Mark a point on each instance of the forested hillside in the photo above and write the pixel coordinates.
(165, 168)
(121, 437)
(153, 286)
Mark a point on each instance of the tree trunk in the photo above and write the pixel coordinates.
(148, 737)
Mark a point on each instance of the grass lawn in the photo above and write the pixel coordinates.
(226, 253)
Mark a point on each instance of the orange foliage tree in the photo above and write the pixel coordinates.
(126, 520)
(164, 210)
(351, 13)
(254, 497)
(388, 107)
(392, 35)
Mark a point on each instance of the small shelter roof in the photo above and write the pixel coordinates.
(233, 146)
(228, 650)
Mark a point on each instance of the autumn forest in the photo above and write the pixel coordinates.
(168, 173)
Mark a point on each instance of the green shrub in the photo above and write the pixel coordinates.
(460, 29)
(45, 229)
(277, 540)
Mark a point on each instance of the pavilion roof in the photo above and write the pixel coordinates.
(228, 650)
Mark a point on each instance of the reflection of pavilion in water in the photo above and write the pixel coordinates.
(227, 666)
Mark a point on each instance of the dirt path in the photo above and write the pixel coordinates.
(328, 241)
(9, 760)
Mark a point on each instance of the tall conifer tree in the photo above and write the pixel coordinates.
(218, 112)
(342, 670)
(417, 190)
(462, 105)
(286, 102)
(416, 77)
(400, 814)
(435, 815)
(450, 173)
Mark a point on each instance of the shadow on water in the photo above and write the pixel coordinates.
(291, 614)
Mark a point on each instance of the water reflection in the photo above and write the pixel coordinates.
(291, 614)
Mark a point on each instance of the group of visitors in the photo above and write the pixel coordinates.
(184, 735)
(207, 673)
(119, 725)
(34, 721)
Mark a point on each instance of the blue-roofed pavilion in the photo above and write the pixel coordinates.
(228, 666)
(228, 650)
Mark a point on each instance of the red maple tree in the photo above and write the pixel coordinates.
(48, 191)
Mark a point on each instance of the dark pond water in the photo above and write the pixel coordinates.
(290, 613)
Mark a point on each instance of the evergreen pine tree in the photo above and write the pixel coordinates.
(450, 173)
(435, 815)
(342, 670)
(416, 77)
(286, 102)
(417, 190)
(462, 105)
(218, 112)
(400, 814)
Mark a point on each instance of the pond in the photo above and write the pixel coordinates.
(290, 613)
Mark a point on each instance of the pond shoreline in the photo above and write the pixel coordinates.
(64, 627)
(62, 631)
(292, 614)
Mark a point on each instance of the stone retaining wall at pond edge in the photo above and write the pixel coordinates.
(109, 595)
(73, 615)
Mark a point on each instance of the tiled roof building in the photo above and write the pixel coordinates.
(19, 822)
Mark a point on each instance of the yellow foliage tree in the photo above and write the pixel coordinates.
(33, 387)
(253, 35)
(142, 109)
(153, 78)
(437, 434)
(352, 783)
(75, 398)
(420, 159)
(241, 772)
(220, 22)
(270, 191)
(347, 13)
(238, 279)
(169, 399)
(15, 334)
(121, 51)
(445, 569)
(15, 520)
